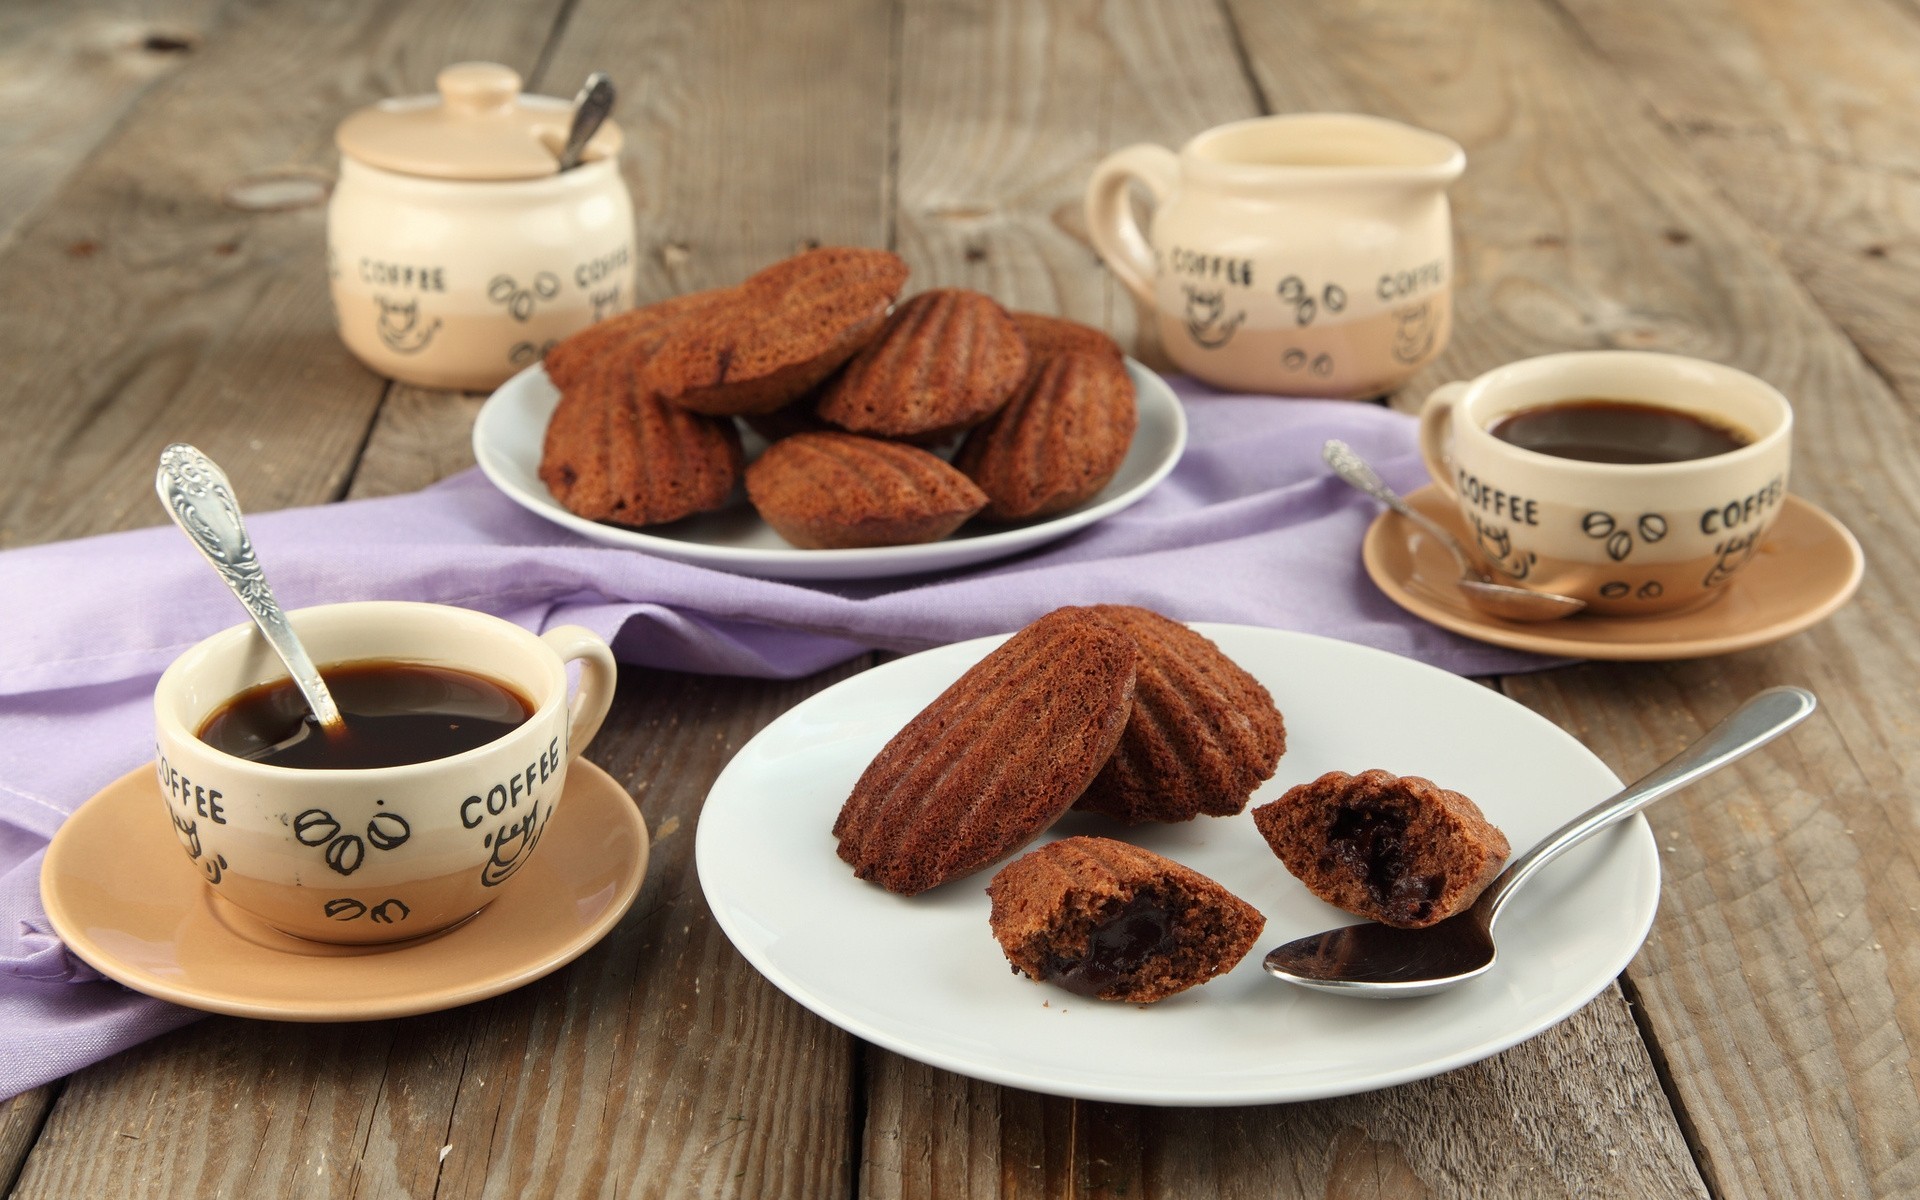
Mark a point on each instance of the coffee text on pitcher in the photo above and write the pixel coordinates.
(1488, 498)
(1197, 263)
(510, 792)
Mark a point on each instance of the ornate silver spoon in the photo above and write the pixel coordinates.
(201, 502)
(1495, 599)
(1382, 962)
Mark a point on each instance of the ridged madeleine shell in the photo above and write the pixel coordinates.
(994, 759)
(633, 334)
(1202, 736)
(777, 334)
(1049, 337)
(614, 454)
(840, 491)
(1057, 442)
(945, 361)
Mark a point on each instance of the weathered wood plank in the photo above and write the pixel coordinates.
(1542, 1119)
(419, 437)
(20, 1128)
(70, 73)
(1005, 109)
(662, 1065)
(1807, 116)
(142, 310)
(1785, 1023)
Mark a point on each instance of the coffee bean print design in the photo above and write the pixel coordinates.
(387, 912)
(1294, 292)
(519, 301)
(1618, 537)
(526, 352)
(1296, 359)
(344, 852)
(1619, 589)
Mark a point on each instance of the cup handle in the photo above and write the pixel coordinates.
(1435, 445)
(597, 673)
(1116, 235)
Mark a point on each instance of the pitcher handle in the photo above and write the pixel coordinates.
(1436, 416)
(1116, 235)
(589, 705)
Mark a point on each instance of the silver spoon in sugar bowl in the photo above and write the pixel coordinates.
(590, 109)
(1377, 961)
(201, 502)
(1495, 599)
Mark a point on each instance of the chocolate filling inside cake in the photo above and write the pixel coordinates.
(1369, 839)
(1393, 848)
(1111, 921)
(1118, 946)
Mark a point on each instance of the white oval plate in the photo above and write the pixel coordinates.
(924, 977)
(512, 425)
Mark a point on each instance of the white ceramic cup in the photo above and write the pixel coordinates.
(1629, 539)
(389, 853)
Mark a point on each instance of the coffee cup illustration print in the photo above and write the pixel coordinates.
(400, 328)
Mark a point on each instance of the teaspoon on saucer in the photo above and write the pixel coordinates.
(1382, 962)
(201, 502)
(1495, 599)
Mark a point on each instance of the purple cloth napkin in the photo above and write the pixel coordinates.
(1249, 528)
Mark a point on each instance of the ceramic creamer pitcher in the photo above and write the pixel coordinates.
(459, 251)
(1307, 255)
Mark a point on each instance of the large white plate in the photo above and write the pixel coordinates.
(512, 424)
(924, 977)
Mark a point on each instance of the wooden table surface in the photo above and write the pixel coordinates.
(1733, 179)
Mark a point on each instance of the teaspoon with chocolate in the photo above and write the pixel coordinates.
(1383, 962)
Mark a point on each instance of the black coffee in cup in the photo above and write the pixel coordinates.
(1616, 431)
(395, 713)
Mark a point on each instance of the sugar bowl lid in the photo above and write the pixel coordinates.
(478, 126)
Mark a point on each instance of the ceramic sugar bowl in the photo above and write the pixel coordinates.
(458, 250)
(1304, 255)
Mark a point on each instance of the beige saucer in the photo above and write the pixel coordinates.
(124, 899)
(1807, 568)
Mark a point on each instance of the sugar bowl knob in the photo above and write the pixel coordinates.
(477, 87)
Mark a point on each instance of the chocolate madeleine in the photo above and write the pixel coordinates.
(573, 455)
(633, 333)
(776, 335)
(1202, 736)
(613, 454)
(1049, 337)
(839, 491)
(945, 361)
(1396, 849)
(1111, 921)
(1057, 442)
(994, 759)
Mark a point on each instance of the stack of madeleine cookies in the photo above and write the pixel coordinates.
(890, 423)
